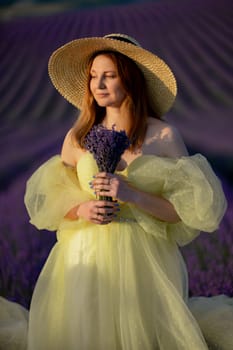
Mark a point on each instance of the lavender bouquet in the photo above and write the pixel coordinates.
(107, 146)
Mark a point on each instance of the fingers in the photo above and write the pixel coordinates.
(98, 212)
(102, 185)
(102, 219)
(104, 212)
(103, 174)
(106, 208)
(101, 181)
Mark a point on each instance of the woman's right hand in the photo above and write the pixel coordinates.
(97, 211)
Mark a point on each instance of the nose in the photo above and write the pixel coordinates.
(100, 84)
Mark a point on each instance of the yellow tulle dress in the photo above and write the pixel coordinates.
(121, 286)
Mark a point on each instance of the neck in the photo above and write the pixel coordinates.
(114, 116)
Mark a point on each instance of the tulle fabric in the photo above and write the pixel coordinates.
(215, 318)
(121, 286)
(51, 191)
(112, 287)
(190, 184)
(13, 326)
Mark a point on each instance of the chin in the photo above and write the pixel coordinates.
(101, 104)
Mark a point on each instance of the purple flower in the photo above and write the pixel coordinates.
(107, 146)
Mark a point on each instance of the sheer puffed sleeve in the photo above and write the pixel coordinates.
(190, 184)
(197, 196)
(51, 192)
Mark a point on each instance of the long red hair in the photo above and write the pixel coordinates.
(136, 104)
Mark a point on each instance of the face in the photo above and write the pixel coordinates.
(105, 83)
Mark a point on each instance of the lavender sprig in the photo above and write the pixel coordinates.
(107, 146)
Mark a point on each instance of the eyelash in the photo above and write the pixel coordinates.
(107, 76)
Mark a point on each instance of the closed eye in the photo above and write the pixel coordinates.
(112, 76)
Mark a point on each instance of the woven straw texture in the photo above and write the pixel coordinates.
(68, 70)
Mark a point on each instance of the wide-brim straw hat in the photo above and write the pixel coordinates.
(68, 69)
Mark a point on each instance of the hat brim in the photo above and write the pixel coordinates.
(68, 70)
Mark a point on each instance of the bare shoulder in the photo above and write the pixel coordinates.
(70, 152)
(165, 138)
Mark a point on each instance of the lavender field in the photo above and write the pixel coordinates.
(195, 38)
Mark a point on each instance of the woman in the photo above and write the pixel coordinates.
(114, 91)
(115, 279)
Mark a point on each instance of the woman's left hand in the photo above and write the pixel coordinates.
(112, 185)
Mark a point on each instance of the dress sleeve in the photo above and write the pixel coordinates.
(51, 192)
(197, 195)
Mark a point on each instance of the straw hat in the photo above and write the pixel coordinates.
(68, 69)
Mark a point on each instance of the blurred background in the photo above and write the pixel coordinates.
(193, 36)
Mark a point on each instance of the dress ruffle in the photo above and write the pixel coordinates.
(51, 192)
(215, 318)
(13, 326)
(190, 184)
(121, 286)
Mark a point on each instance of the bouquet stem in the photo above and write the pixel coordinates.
(105, 198)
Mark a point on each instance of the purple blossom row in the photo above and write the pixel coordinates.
(209, 258)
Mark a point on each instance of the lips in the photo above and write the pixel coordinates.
(101, 95)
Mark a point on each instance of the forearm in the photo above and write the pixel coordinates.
(72, 214)
(96, 211)
(153, 204)
(117, 187)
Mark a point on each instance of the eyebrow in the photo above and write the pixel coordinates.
(106, 71)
